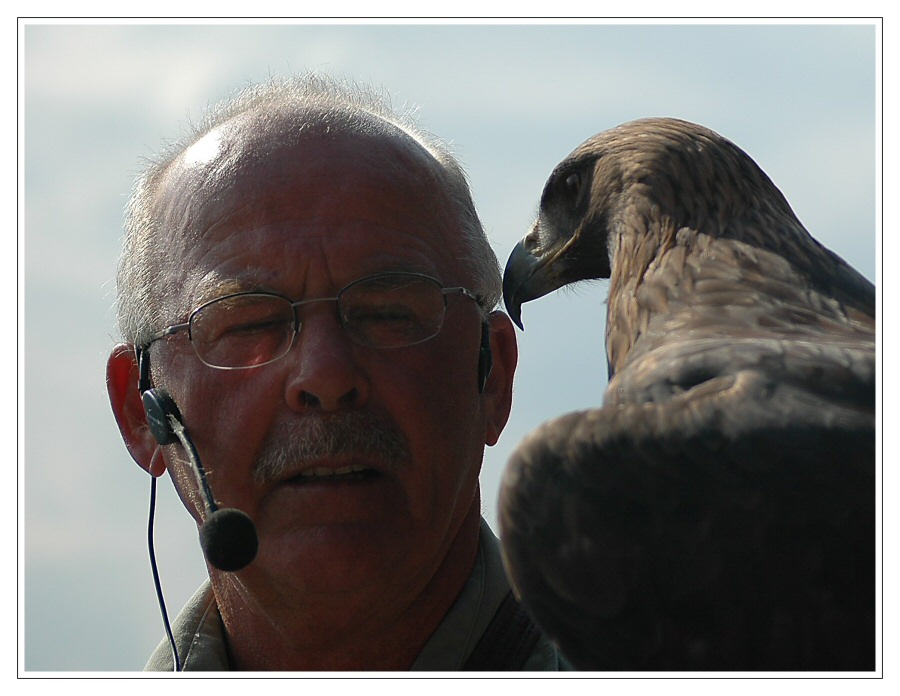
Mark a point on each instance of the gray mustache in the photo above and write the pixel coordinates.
(296, 445)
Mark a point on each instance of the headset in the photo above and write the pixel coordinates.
(227, 535)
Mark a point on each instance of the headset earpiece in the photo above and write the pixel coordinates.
(485, 357)
(158, 407)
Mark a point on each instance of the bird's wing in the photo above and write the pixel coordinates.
(717, 522)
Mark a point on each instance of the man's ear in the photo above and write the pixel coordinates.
(497, 394)
(124, 396)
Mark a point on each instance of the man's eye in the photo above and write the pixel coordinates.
(253, 328)
(383, 315)
(230, 323)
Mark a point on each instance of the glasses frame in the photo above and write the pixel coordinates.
(186, 326)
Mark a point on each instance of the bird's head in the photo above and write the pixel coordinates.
(642, 180)
(567, 241)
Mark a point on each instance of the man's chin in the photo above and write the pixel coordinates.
(333, 558)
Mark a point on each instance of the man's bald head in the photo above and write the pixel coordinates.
(249, 129)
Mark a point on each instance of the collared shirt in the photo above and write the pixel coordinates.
(200, 634)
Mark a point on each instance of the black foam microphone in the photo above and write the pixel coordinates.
(227, 535)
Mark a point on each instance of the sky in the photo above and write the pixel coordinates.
(512, 99)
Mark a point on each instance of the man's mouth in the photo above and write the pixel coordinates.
(324, 472)
(354, 446)
(352, 473)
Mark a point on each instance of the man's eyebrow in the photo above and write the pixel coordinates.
(211, 288)
(258, 280)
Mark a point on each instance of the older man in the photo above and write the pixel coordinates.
(307, 279)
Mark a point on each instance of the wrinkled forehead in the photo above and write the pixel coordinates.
(263, 149)
(262, 168)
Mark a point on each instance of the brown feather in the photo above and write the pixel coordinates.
(718, 511)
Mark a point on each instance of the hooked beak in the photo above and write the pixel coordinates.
(526, 277)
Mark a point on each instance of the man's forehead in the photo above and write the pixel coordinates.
(241, 176)
(252, 152)
(215, 284)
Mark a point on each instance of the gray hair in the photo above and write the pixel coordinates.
(142, 280)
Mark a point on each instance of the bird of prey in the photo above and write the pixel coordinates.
(717, 512)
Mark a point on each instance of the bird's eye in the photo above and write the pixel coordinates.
(573, 184)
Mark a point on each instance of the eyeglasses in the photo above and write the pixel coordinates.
(251, 329)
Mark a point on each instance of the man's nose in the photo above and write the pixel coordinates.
(324, 372)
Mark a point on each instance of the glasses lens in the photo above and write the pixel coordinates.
(242, 330)
(391, 311)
